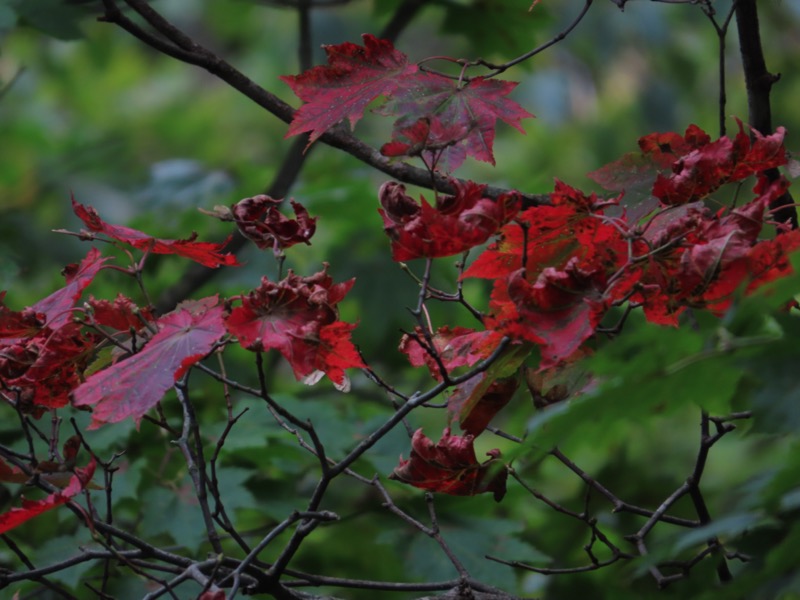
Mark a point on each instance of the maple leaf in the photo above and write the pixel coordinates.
(18, 324)
(57, 360)
(260, 221)
(472, 107)
(569, 227)
(700, 259)
(456, 347)
(436, 142)
(207, 254)
(298, 316)
(559, 311)
(122, 314)
(456, 224)
(354, 76)
(475, 402)
(710, 165)
(451, 467)
(57, 306)
(32, 508)
(131, 387)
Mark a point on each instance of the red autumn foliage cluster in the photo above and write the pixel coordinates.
(556, 270)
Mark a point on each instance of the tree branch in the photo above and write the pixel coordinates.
(758, 82)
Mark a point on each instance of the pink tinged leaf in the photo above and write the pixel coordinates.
(57, 306)
(451, 467)
(354, 76)
(131, 387)
(457, 347)
(473, 107)
(208, 254)
(121, 314)
(33, 508)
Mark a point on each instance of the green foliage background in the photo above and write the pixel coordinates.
(87, 110)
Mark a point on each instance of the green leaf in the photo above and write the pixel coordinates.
(175, 513)
(497, 27)
(725, 528)
(55, 18)
(58, 549)
(471, 541)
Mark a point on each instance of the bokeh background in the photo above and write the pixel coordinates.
(86, 110)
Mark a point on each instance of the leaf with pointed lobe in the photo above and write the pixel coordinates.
(298, 316)
(472, 107)
(709, 165)
(457, 347)
(354, 76)
(436, 142)
(456, 224)
(208, 254)
(552, 235)
(58, 306)
(122, 314)
(559, 311)
(131, 387)
(451, 467)
(33, 508)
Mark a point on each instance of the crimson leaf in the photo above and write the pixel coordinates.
(206, 253)
(32, 508)
(450, 467)
(456, 224)
(298, 317)
(354, 76)
(58, 304)
(133, 386)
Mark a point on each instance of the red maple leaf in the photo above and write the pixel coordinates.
(708, 166)
(121, 314)
(206, 253)
(472, 107)
(52, 365)
(435, 141)
(475, 402)
(572, 226)
(260, 221)
(298, 316)
(32, 508)
(456, 347)
(131, 387)
(357, 75)
(456, 224)
(559, 311)
(451, 467)
(354, 76)
(57, 306)
(18, 324)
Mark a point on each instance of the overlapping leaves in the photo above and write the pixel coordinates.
(436, 113)
(298, 316)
